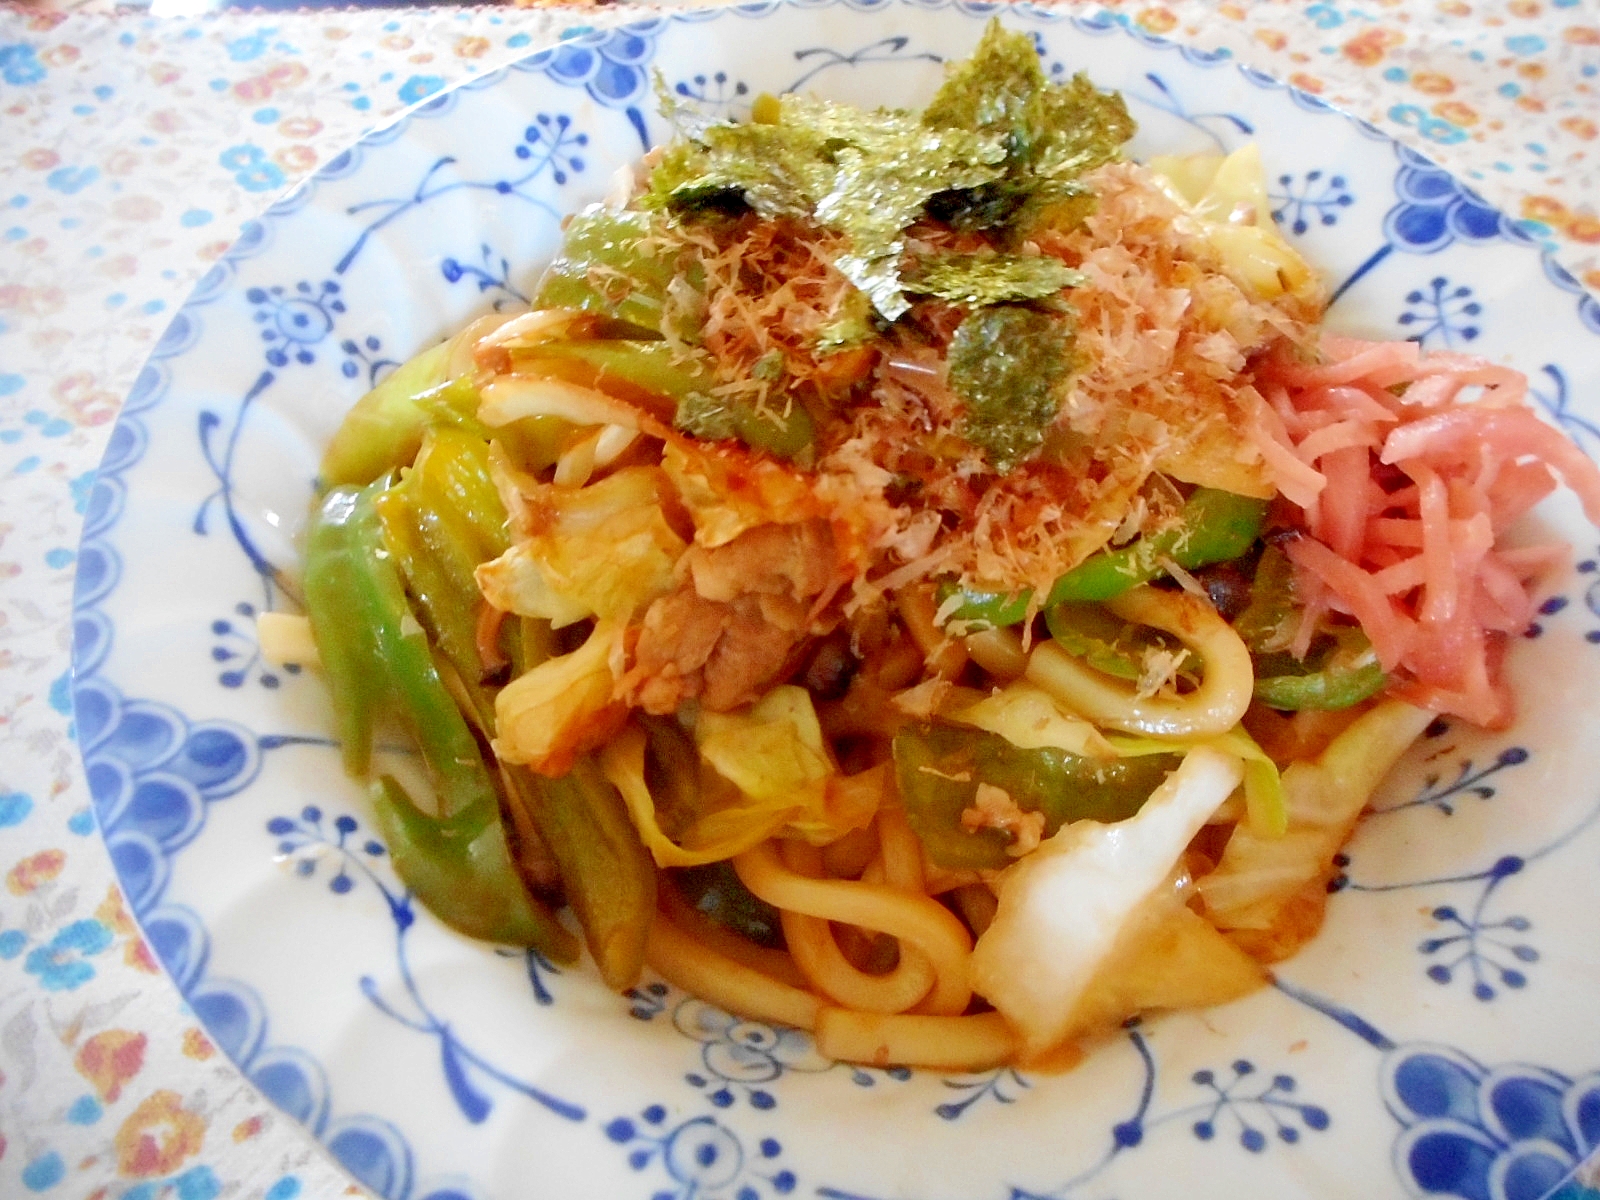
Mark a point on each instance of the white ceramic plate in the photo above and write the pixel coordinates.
(1440, 1037)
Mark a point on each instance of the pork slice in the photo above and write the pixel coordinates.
(734, 623)
(795, 560)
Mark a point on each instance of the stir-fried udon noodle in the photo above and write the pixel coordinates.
(917, 577)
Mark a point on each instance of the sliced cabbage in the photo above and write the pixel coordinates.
(767, 772)
(773, 749)
(1167, 956)
(1228, 196)
(509, 398)
(1025, 715)
(728, 493)
(562, 708)
(1260, 876)
(605, 550)
(1061, 909)
(1266, 805)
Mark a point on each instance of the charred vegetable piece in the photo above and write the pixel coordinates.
(1215, 526)
(461, 870)
(716, 890)
(939, 769)
(1271, 617)
(608, 875)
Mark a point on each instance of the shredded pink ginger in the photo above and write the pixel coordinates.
(1405, 487)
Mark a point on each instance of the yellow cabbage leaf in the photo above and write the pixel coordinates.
(1026, 716)
(767, 773)
(605, 550)
(1228, 195)
(564, 707)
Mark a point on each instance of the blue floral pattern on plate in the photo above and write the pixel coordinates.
(432, 1067)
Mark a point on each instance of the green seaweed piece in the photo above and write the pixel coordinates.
(1009, 365)
(983, 279)
(1053, 133)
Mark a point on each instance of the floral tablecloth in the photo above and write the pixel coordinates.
(132, 148)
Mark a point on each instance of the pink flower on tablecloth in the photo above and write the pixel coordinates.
(1370, 48)
(88, 402)
(135, 953)
(197, 1045)
(158, 1136)
(254, 89)
(300, 128)
(110, 1059)
(34, 871)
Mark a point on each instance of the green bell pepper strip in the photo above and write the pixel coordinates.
(788, 433)
(442, 590)
(342, 600)
(1215, 526)
(375, 652)
(1270, 620)
(440, 523)
(609, 877)
(1107, 643)
(606, 265)
(939, 767)
(655, 367)
(1344, 676)
(384, 429)
(377, 661)
(461, 870)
